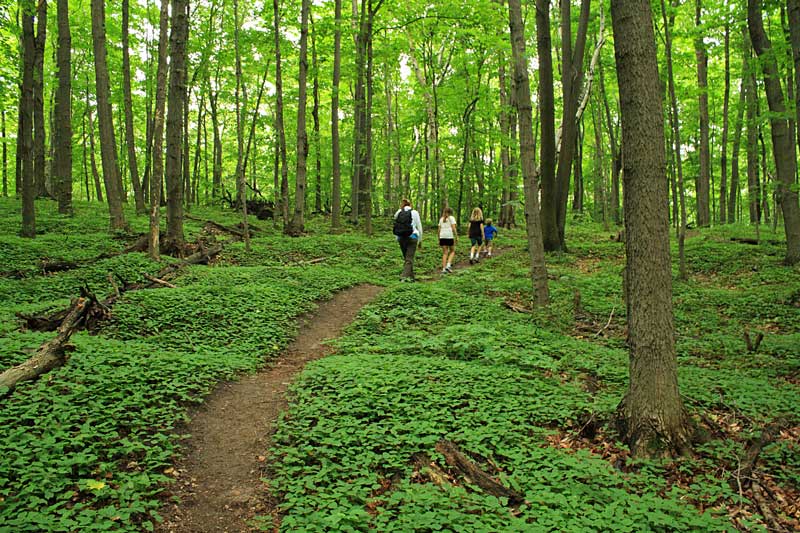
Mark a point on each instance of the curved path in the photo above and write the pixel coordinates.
(219, 480)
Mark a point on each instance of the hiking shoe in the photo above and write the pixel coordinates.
(449, 269)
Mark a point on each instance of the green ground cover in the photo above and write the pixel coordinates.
(87, 446)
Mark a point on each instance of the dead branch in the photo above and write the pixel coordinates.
(745, 469)
(752, 347)
(160, 281)
(217, 226)
(610, 317)
(474, 475)
(515, 306)
(51, 354)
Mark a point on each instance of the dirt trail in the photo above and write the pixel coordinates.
(218, 482)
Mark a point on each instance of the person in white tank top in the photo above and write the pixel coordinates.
(448, 237)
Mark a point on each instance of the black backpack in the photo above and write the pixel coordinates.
(402, 224)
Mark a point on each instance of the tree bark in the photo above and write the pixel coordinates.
(336, 192)
(25, 131)
(156, 182)
(40, 179)
(175, 117)
(108, 144)
(315, 115)
(702, 183)
(737, 138)
(5, 153)
(547, 146)
(279, 127)
(297, 225)
(527, 149)
(130, 139)
(241, 185)
(652, 410)
(793, 7)
(723, 180)
(62, 160)
(783, 150)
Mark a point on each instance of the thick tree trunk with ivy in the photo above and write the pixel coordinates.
(108, 143)
(783, 149)
(62, 158)
(541, 294)
(130, 139)
(652, 410)
(39, 126)
(25, 130)
(177, 95)
(336, 185)
(297, 225)
(154, 241)
(702, 183)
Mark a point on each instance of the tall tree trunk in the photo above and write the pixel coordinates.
(541, 295)
(359, 105)
(216, 179)
(616, 155)
(505, 135)
(702, 183)
(571, 82)
(388, 182)
(737, 138)
(297, 225)
(5, 153)
(723, 180)
(676, 138)
(62, 160)
(793, 7)
(175, 114)
(92, 149)
(85, 154)
(367, 175)
(241, 185)
(336, 192)
(652, 409)
(315, 114)
(284, 203)
(25, 131)
(577, 198)
(38, 101)
(130, 140)
(108, 144)
(156, 185)
(547, 146)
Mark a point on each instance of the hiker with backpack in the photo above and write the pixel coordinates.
(408, 230)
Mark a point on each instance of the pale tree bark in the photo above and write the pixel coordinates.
(108, 144)
(157, 177)
(676, 139)
(315, 115)
(652, 410)
(723, 180)
(130, 139)
(297, 226)
(616, 154)
(62, 159)
(547, 146)
(505, 136)
(703, 179)
(98, 187)
(279, 127)
(39, 126)
(241, 195)
(737, 138)
(783, 150)
(25, 130)
(527, 149)
(336, 186)
(173, 174)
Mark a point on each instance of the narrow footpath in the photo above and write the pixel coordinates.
(218, 481)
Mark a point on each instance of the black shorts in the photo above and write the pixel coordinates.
(476, 241)
(446, 242)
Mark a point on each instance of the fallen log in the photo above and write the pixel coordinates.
(51, 354)
(475, 475)
(216, 225)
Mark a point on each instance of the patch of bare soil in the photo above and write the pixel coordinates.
(218, 485)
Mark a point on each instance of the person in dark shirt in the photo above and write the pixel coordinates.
(475, 234)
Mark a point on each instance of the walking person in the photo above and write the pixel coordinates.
(489, 233)
(448, 237)
(408, 230)
(475, 234)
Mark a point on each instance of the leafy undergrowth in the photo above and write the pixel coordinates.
(530, 396)
(88, 447)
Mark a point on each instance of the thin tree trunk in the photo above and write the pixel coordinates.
(38, 101)
(216, 179)
(5, 153)
(652, 408)
(130, 140)
(297, 225)
(723, 180)
(336, 192)
(62, 160)
(702, 183)
(315, 114)
(85, 154)
(93, 151)
(175, 114)
(108, 145)
(284, 203)
(153, 247)
(793, 7)
(25, 131)
(737, 138)
(527, 149)
(241, 185)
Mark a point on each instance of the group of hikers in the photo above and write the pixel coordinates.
(408, 230)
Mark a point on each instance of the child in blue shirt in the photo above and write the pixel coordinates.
(489, 233)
